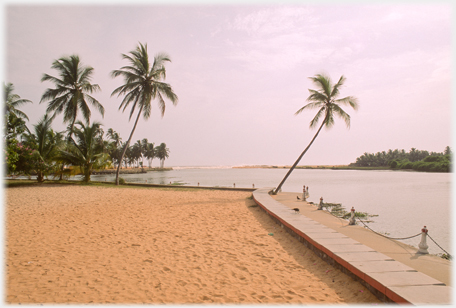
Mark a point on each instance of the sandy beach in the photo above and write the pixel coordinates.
(87, 244)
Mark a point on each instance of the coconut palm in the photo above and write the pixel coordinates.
(84, 152)
(328, 106)
(114, 145)
(162, 152)
(136, 152)
(47, 143)
(143, 83)
(72, 89)
(150, 153)
(12, 101)
(114, 136)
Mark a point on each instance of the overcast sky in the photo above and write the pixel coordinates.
(242, 71)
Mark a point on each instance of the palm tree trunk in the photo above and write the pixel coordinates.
(297, 161)
(68, 141)
(127, 144)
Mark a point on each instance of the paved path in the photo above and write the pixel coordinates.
(393, 270)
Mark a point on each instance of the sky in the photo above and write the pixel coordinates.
(241, 71)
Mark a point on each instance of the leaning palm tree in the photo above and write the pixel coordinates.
(325, 100)
(72, 89)
(143, 83)
(12, 101)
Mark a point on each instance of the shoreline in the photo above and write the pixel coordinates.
(133, 170)
(331, 167)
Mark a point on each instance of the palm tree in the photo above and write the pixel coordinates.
(325, 100)
(150, 153)
(137, 152)
(84, 152)
(142, 85)
(114, 136)
(144, 144)
(47, 145)
(12, 101)
(114, 145)
(162, 152)
(72, 89)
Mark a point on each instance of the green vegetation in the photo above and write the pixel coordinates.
(339, 211)
(71, 93)
(45, 152)
(325, 101)
(143, 83)
(413, 160)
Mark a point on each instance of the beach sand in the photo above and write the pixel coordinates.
(86, 244)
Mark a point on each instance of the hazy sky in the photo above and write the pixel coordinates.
(241, 72)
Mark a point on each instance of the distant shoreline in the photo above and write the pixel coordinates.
(129, 170)
(332, 167)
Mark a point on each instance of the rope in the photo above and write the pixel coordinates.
(440, 246)
(392, 238)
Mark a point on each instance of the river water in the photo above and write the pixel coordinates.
(404, 201)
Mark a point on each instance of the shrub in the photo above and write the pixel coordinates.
(406, 164)
(122, 181)
(434, 158)
(393, 164)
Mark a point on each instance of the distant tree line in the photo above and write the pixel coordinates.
(413, 160)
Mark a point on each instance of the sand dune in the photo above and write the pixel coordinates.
(74, 244)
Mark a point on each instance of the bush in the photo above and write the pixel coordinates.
(434, 158)
(406, 164)
(122, 181)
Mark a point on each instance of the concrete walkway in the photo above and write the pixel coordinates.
(393, 271)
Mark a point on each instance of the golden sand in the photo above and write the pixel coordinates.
(79, 244)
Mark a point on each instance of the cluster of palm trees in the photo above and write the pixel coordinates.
(143, 82)
(136, 153)
(85, 146)
(384, 158)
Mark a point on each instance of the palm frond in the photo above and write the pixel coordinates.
(342, 114)
(335, 90)
(349, 101)
(323, 82)
(312, 105)
(315, 120)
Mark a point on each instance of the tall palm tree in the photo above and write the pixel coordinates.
(325, 100)
(12, 101)
(84, 152)
(72, 89)
(143, 83)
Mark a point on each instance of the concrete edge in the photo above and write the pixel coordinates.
(182, 186)
(384, 292)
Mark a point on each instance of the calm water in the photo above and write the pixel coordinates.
(404, 201)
